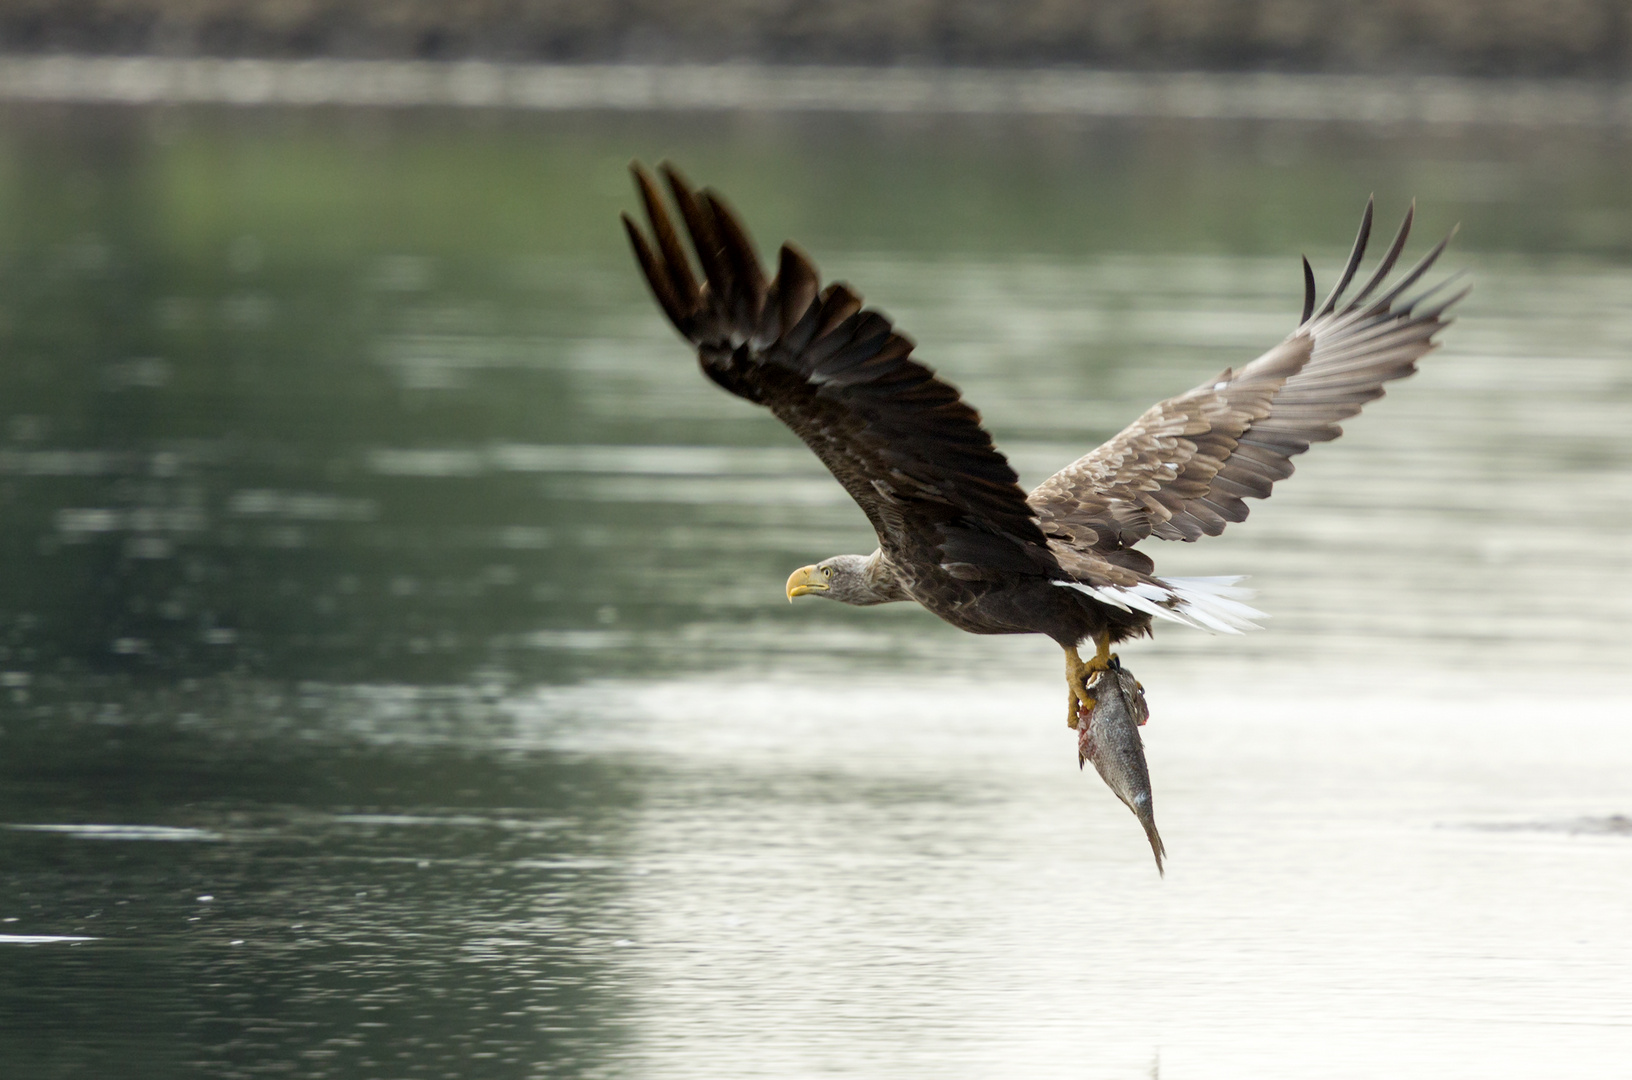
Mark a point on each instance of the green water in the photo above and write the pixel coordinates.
(362, 520)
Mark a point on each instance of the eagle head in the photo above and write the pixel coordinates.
(844, 578)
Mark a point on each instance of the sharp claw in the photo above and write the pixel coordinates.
(1080, 676)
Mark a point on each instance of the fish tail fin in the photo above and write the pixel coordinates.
(1156, 846)
(1146, 813)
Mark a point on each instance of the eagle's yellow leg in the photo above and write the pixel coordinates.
(1077, 673)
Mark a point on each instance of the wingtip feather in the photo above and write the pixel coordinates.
(1308, 291)
(656, 274)
(1361, 239)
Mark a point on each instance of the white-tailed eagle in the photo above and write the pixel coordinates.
(955, 531)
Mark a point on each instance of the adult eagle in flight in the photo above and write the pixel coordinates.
(955, 531)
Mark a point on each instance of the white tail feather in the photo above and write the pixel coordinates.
(1106, 595)
(1207, 603)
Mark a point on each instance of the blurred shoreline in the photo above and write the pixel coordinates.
(1441, 37)
(1374, 99)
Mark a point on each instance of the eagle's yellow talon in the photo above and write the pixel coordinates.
(1078, 673)
(1078, 705)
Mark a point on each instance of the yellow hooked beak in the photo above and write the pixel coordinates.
(804, 580)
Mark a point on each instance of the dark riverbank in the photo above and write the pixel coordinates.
(1584, 38)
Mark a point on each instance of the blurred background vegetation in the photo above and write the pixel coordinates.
(1473, 37)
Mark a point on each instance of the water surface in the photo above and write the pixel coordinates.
(398, 683)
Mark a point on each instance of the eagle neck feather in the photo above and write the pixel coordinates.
(883, 581)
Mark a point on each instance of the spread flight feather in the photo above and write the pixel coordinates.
(956, 532)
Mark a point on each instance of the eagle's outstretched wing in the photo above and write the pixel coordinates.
(1182, 469)
(900, 440)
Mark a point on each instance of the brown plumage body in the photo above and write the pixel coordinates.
(1021, 603)
(956, 532)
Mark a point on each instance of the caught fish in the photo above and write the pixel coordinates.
(1109, 737)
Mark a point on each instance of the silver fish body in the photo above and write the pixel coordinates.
(1109, 737)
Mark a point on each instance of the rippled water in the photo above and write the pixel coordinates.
(398, 682)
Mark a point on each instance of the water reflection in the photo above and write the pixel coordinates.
(381, 569)
(342, 913)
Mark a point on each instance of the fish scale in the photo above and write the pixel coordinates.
(1108, 736)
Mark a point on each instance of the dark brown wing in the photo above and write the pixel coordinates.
(1182, 469)
(900, 440)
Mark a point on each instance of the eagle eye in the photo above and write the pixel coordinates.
(827, 572)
